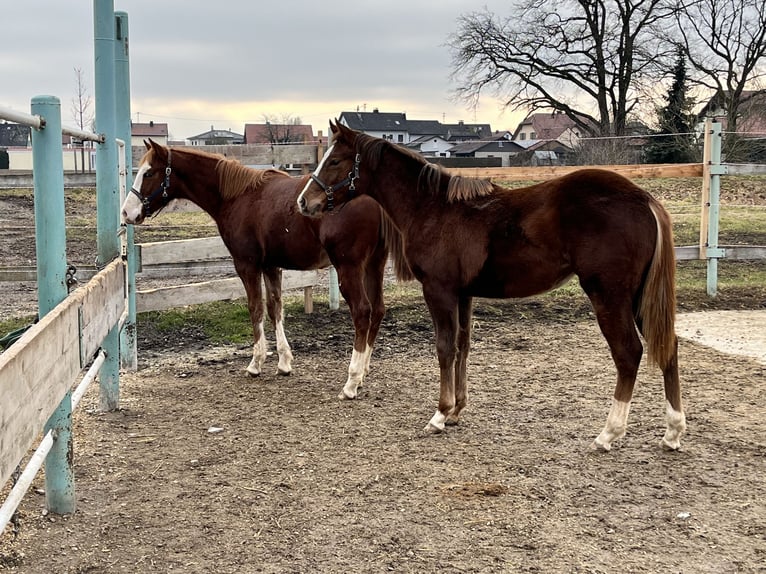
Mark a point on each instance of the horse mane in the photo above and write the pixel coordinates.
(235, 179)
(458, 188)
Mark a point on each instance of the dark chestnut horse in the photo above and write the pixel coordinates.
(466, 238)
(259, 223)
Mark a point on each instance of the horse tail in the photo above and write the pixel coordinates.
(657, 307)
(392, 239)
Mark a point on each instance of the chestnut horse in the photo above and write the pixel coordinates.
(466, 238)
(260, 225)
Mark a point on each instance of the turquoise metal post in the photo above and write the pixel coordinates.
(107, 184)
(128, 349)
(50, 233)
(713, 251)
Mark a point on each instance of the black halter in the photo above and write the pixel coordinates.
(330, 190)
(161, 191)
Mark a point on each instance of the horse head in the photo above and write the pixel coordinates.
(151, 188)
(334, 181)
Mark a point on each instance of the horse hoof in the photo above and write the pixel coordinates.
(431, 428)
(253, 372)
(672, 446)
(284, 372)
(346, 397)
(599, 447)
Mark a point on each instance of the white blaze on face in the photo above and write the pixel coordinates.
(132, 209)
(316, 173)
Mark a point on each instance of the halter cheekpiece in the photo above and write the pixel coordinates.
(161, 191)
(330, 190)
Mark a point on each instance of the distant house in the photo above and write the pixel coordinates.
(497, 145)
(462, 132)
(429, 137)
(752, 110)
(548, 126)
(217, 137)
(431, 146)
(15, 135)
(155, 130)
(541, 152)
(279, 133)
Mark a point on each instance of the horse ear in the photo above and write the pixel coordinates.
(334, 126)
(148, 143)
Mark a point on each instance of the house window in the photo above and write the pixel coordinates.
(533, 136)
(523, 136)
(400, 138)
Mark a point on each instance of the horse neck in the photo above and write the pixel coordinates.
(197, 179)
(395, 188)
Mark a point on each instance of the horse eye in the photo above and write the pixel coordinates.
(148, 173)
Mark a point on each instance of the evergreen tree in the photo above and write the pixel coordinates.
(673, 141)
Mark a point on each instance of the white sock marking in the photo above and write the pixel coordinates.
(616, 425)
(283, 349)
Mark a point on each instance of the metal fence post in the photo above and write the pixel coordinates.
(128, 347)
(107, 183)
(50, 233)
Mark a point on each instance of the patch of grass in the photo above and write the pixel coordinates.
(220, 322)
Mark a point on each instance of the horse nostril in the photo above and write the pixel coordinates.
(302, 203)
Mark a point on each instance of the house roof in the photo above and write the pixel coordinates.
(214, 134)
(462, 131)
(151, 129)
(426, 128)
(485, 145)
(283, 133)
(375, 121)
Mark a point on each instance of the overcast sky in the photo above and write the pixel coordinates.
(197, 64)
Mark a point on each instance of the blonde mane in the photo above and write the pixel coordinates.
(235, 179)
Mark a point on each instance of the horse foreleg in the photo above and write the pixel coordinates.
(251, 279)
(273, 282)
(444, 313)
(465, 318)
(352, 289)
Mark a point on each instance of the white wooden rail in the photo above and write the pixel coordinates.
(40, 368)
(184, 257)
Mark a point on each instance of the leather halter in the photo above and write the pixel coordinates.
(161, 191)
(330, 190)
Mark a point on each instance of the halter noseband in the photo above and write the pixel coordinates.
(161, 191)
(330, 190)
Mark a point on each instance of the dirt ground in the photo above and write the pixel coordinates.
(297, 481)
(206, 470)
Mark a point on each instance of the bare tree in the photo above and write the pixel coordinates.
(725, 43)
(282, 131)
(585, 58)
(81, 110)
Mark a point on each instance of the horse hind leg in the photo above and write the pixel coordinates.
(465, 317)
(273, 282)
(618, 327)
(674, 412)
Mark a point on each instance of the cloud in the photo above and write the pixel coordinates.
(194, 63)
